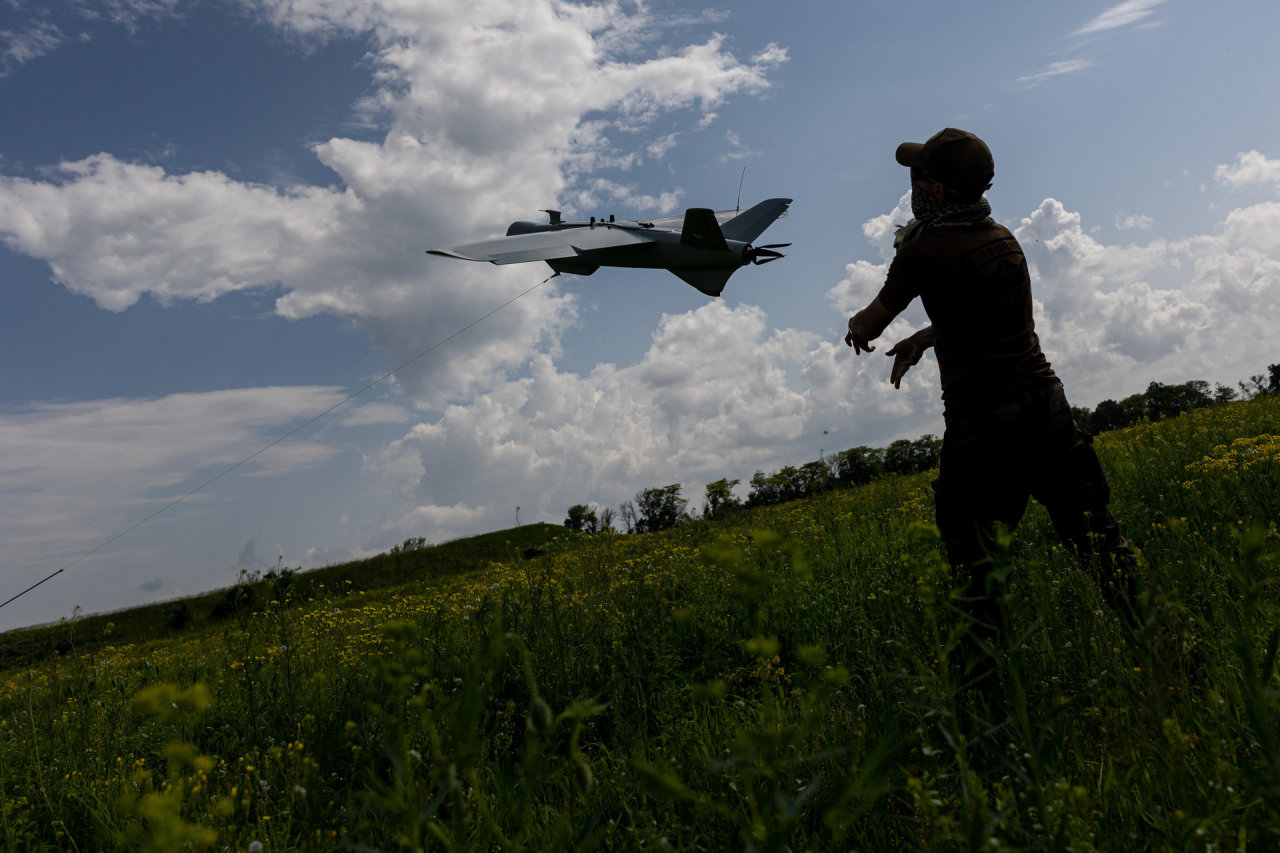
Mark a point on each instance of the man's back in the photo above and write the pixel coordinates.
(974, 285)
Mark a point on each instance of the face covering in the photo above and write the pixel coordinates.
(932, 211)
(923, 205)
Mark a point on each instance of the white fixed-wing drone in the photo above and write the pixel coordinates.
(704, 247)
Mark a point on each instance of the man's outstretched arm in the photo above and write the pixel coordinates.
(866, 326)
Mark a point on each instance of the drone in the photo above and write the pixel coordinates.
(703, 247)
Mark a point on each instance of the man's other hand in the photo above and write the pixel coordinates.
(906, 353)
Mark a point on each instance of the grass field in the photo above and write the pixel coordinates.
(775, 681)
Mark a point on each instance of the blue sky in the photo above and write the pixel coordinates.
(213, 218)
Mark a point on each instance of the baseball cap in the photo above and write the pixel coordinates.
(955, 158)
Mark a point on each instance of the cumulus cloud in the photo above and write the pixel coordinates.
(718, 394)
(1117, 315)
(114, 231)
(491, 110)
(1250, 168)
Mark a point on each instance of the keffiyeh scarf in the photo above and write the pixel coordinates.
(931, 212)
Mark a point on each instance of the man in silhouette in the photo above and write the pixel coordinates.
(1009, 430)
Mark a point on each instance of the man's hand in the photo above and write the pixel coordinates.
(866, 326)
(857, 336)
(907, 352)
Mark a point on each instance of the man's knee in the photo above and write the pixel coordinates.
(1075, 478)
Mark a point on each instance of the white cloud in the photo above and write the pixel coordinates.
(373, 414)
(114, 231)
(1250, 168)
(602, 191)
(40, 34)
(130, 13)
(1132, 221)
(88, 470)
(737, 150)
(718, 394)
(1121, 15)
(772, 55)
(663, 144)
(484, 106)
(1113, 317)
(1057, 69)
(18, 47)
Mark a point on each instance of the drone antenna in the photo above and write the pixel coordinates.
(738, 206)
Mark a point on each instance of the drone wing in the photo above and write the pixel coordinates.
(750, 224)
(558, 244)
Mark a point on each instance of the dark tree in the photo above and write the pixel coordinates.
(898, 457)
(859, 465)
(627, 512)
(1163, 401)
(928, 449)
(905, 456)
(720, 499)
(1256, 386)
(1108, 415)
(1083, 418)
(765, 489)
(581, 518)
(814, 477)
(660, 509)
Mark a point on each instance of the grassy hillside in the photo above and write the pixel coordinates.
(772, 682)
(412, 562)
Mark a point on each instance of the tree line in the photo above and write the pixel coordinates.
(665, 507)
(1163, 401)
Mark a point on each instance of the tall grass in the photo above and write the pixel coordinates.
(778, 680)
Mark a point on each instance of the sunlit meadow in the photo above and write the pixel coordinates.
(775, 681)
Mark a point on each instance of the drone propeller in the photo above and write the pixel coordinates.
(764, 254)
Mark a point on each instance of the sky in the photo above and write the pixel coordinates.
(214, 218)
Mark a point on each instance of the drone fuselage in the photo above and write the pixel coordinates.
(702, 247)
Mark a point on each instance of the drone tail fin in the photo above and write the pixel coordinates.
(710, 281)
(750, 224)
(701, 230)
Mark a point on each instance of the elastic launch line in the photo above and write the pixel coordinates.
(284, 437)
